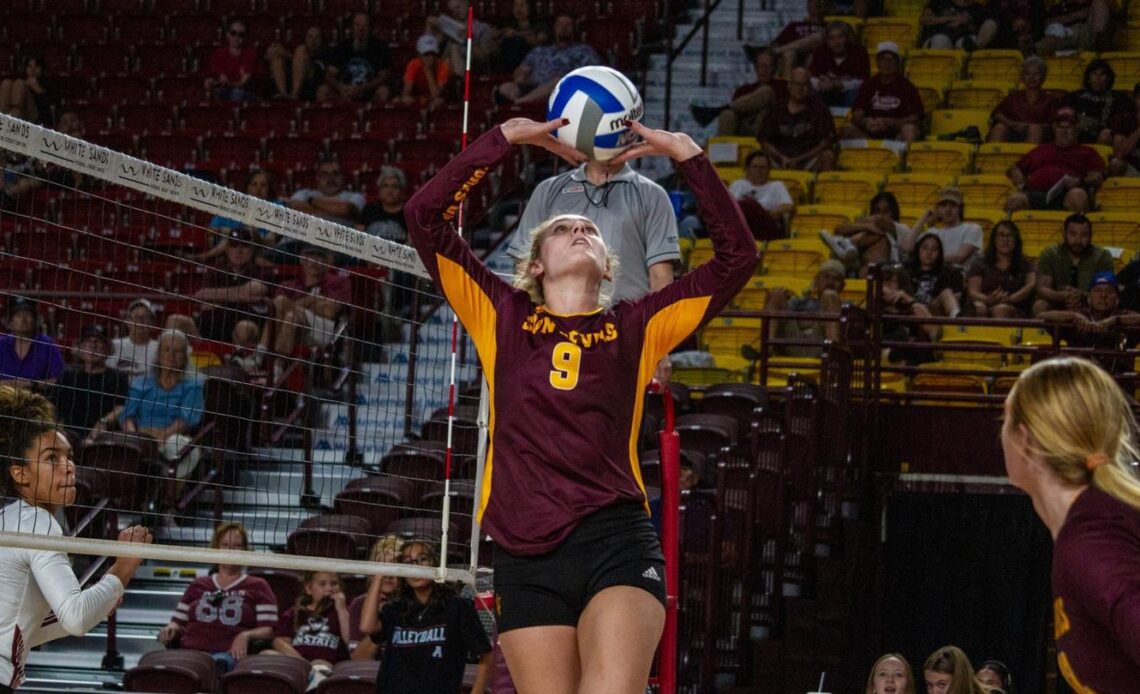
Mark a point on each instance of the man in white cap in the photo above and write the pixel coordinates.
(426, 76)
(888, 106)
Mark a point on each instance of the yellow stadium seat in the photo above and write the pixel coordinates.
(726, 335)
(934, 64)
(1105, 151)
(995, 64)
(985, 217)
(989, 335)
(699, 256)
(934, 156)
(997, 157)
(917, 189)
(793, 262)
(932, 93)
(901, 30)
(810, 219)
(801, 243)
(846, 187)
(1033, 250)
(1065, 69)
(1119, 194)
(904, 8)
(731, 150)
(910, 215)
(798, 183)
(1120, 229)
(856, 23)
(985, 190)
(976, 94)
(781, 368)
(854, 291)
(1126, 64)
(728, 174)
(704, 377)
(926, 382)
(1040, 227)
(946, 121)
(1128, 37)
(755, 293)
(868, 155)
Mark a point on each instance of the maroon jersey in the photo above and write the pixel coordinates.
(794, 31)
(1018, 109)
(1047, 163)
(1096, 589)
(899, 99)
(314, 637)
(566, 390)
(212, 617)
(856, 64)
(332, 286)
(793, 134)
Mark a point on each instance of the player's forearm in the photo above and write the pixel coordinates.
(733, 243)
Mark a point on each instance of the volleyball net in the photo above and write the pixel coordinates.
(313, 402)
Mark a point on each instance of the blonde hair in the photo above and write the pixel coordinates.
(1075, 413)
(953, 661)
(907, 689)
(533, 285)
(385, 544)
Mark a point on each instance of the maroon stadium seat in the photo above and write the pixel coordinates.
(377, 499)
(32, 26)
(342, 8)
(81, 28)
(172, 7)
(177, 90)
(329, 121)
(154, 59)
(296, 25)
(286, 586)
(175, 671)
(195, 30)
(143, 118)
(65, 6)
(207, 118)
(305, 151)
(462, 498)
(118, 7)
(122, 462)
(73, 89)
(333, 535)
(389, 123)
(174, 151)
(261, 674)
(737, 400)
(56, 54)
(232, 149)
(422, 528)
(268, 120)
(707, 433)
(123, 90)
(263, 29)
(359, 153)
(351, 677)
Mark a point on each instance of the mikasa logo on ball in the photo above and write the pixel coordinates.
(596, 100)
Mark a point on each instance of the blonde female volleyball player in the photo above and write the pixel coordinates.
(578, 569)
(40, 476)
(1069, 440)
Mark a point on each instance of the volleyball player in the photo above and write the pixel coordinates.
(1069, 440)
(579, 575)
(34, 584)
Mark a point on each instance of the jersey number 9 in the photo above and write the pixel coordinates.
(566, 359)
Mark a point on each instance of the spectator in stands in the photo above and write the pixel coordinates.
(260, 184)
(299, 76)
(382, 589)
(1075, 25)
(798, 132)
(891, 674)
(426, 77)
(745, 113)
(956, 24)
(1100, 109)
(233, 66)
(90, 397)
(312, 304)
(227, 614)
(234, 290)
(948, 670)
(134, 352)
(1125, 159)
(1096, 322)
(330, 199)
(961, 240)
(899, 299)
(887, 105)
(518, 35)
(995, 675)
(450, 28)
(1002, 283)
(937, 286)
(799, 38)
(385, 217)
(1065, 271)
(31, 96)
(250, 345)
(29, 358)
(315, 629)
(427, 619)
(165, 405)
(1061, 174)
(821, 297)
(1129, 281)
(1026, 114)
(359, 68)
(871, 239)
(543, 66)
(839, 65)
(764, 202)
(1016, 25)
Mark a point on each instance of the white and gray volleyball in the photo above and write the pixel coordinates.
(597, 100)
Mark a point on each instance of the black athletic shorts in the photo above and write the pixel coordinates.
(614, 546)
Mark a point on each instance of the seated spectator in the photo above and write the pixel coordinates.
(315, 629)
(821, 297)
(233, 66)
(330, 199)
(1002, 283)
(250, 344)
(359, 68)
(961, 240)
(382, 589)
(29, 358)
(450, 28)
(1125, 160)
(995, 675)
(1095, 323)
(948, 670)
(1100, 110)
(839, 65)
(134, 352)
(31, 96)
(887, 105)
(1075, 25)
(937, 285)
(518, 35)
(1025, 115)
(871, 239)
(90, 397)
(891, 674)
(1129, 281)
(426, 77)
(385, 217)
(956, 24)
(165, 405)
(898, 299)
(299, 76)
(1015, 30)
(745, 113)
(1065, 271)
(799, 38)
(311, 304)
(227, 614)
(235, 290)
(260, 184)
(543, 66)
(765, 203)
(798, 132)
(1056, 175)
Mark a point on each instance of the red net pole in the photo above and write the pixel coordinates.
(669, 442)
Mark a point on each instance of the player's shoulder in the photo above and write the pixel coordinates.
(20, 516)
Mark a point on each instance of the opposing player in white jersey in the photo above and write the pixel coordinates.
(40, 597)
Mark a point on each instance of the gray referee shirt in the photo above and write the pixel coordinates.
(633, 213)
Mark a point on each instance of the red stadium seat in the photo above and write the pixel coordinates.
(112, 139)
(57, 56)
(333, 536)
(286, 586)
(435, 150)
(143, 118)
(232, 150)
(65, 6)
(177, 90)
(351, 677)
(32, 26)
(96, 117)
(195, 29)
(159, 60)
(295, 27)
(330, 121)
(177, 671)
(613, 38)
(343, 8)
(258, 674)
(359, 153)
(389, 123)
(207, 118)
(303, 151)
(379, 500)
(263, 29)
(173, 7)
(118, 7)
(72, 89)
(123, 90)
(268, 120)
(81, 28)
(175, 151)
(295, 7)
(404, 8)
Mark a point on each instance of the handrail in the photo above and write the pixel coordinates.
(702, 24)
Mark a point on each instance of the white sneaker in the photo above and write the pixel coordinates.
(841, 246)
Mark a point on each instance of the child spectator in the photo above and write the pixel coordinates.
(995, 675)
(134, 352)
(381, 590)
(90, 397)
(426, 76)
(29, 358)
(233, 66)
(316, 628)
(260, 184)
(948, 670)
(891, 674)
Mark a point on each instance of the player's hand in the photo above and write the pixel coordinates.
(524, 131)
(677, 146)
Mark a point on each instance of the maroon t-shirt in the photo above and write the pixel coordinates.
(795, 133)
(332, 286)
(212, 617)
(794, 31)
(566, 391)
(899, 99)
(1096, 595)
(222, 62)
(1018, 109)
(316, 637)
(1045, 164)
(856, 64)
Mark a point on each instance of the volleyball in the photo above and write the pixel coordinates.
(597, 100)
